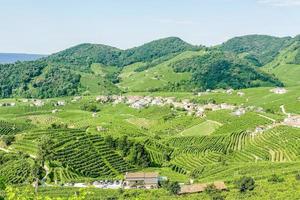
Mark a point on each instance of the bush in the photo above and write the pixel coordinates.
(2, 183)
(174, 187)
(213, 192)
(245, 183)
(90, 107)
(8, 139)
(297, 177)
(275, 179)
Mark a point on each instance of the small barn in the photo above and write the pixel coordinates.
(193, 188)
(200, 187)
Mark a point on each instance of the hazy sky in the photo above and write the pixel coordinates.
(47, 26)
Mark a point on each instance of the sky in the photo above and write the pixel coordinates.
(48, 26)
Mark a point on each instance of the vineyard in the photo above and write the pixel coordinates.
(16, 168)
(76, 154)
(86, 148)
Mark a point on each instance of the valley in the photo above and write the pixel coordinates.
(193, 114)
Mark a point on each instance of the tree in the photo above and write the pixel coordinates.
(2, 183)
(44, 149)
(8, 139)
(174, 187)
(245, 183)
(212, 191)
(139, 156)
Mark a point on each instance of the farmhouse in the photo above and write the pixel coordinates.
(142, 179)
(241, 94)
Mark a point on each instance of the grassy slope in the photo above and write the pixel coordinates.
(156, 77)
(283, 68)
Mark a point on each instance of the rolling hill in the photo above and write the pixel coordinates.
(167, 64)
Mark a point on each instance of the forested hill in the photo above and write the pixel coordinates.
(83, 55)
(261, 48)
(168, 64)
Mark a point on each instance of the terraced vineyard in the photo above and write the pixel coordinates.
(7, 128)
(79, 154)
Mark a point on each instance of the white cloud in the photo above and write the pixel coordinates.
(281, 3)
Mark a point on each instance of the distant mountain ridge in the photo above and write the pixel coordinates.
(167, 64)
(14, 57)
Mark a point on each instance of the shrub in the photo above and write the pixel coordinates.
(90, 107)
(8, 139)
(297, 176)
(245, 183)
(275, 179)
(174, 187)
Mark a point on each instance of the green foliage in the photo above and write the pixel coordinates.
(173, 187)
(91, 107)
(218, 70)
(213, 192)
(2, 183)
(8, 139)
(57, 82)
(259, 48)
(85, 54)
(15, 78)
(275, 179)
(245, 183)
(139, 156)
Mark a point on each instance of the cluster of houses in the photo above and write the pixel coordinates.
(139, 102)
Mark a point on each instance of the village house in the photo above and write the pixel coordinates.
(226, 106)
(60, 103)
(6, 104)
(241, 94)
(239, 112)
(142, 179)
(77, 98)
(229, 91)
(37, 103)
(101, 128)
(54, 111)
(279, 90)
(103, 99)
(293, 121)
(139, 104)
(133, 99)
(158, 101)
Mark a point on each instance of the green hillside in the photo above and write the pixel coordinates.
(168, 64)
(286, 66)
(259, 49)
